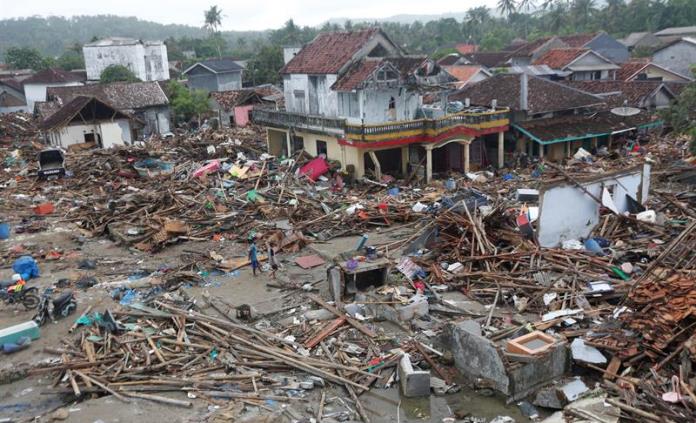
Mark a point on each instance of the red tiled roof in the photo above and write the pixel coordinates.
(328, 52)
(616, 92)
(463, 73)
(52, 76)
(578, 40)
(559, 58)
(630, 68)
(543, 95)
(232, 98)
(356, 74)
(465, 48)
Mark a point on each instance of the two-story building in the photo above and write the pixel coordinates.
(146, 59)
(356, 98)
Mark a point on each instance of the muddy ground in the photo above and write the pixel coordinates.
(26, 400)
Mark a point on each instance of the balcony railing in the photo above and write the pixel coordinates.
(475, 121)
(280, 119)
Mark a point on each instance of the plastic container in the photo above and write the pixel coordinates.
(4, 231)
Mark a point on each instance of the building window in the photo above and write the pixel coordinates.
(322, 148)
(387, 75)
(297, 143)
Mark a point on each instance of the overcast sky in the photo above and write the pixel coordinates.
(238, 15)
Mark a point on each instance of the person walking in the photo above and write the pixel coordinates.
(253, 255)
(272, 260)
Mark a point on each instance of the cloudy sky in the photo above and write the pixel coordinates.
(238, 14)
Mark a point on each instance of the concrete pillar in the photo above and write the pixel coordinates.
(609, 143)
(541, 151)
(594, 142)
(428, 164)
(378, 166)
(404, 160)
(288, 144)
(467, 156)
(501, 149)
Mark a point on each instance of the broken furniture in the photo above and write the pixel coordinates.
(351, 276)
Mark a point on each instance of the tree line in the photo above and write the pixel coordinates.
(491, 29)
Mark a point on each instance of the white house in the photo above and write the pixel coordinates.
(88, 120)
(36, 85)
(146, 59)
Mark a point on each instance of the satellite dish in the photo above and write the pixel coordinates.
(625, 111)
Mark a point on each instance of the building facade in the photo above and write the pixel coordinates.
(354, 97)
(678, 56)
(146, 59)
(215, 75)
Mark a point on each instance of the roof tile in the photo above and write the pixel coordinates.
(559, 58)
(328, 52)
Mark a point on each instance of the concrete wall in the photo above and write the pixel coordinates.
(477, 357)
(157, 120)
(609, 47)
(374, 105)
(37, 92)
(295, 85)
(276, 142)
(229, 81)
(678, 57)
(156, 62)
(131, 56)
(113, 133)
(566, 212)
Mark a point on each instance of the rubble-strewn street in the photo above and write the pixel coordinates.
(551, 291)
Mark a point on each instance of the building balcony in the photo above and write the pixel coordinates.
(468, 124)
(288, 120)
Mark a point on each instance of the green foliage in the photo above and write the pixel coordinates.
(71, 60)
(682, 114)
(264, 67)
(115, 73)
(186, 103)
(26, 58)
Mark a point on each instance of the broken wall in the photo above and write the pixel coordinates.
(567, 212)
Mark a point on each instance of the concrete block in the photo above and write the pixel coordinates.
(414, 383)
(417, 306)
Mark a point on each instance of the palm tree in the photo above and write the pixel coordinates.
(582, 10)
(213, 20)
(525, 5)
(476, 18)
(507, 7)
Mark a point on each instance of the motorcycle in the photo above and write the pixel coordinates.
(56, 308)
(12, 292)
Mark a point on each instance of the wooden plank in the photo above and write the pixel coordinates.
(335, 324)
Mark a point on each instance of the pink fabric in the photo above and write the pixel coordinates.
(241, 115)
(315, 168)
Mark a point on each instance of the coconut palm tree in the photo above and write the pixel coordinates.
(213, 20)
(507, 7)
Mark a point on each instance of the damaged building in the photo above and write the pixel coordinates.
(356, 97)
(144, 100)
